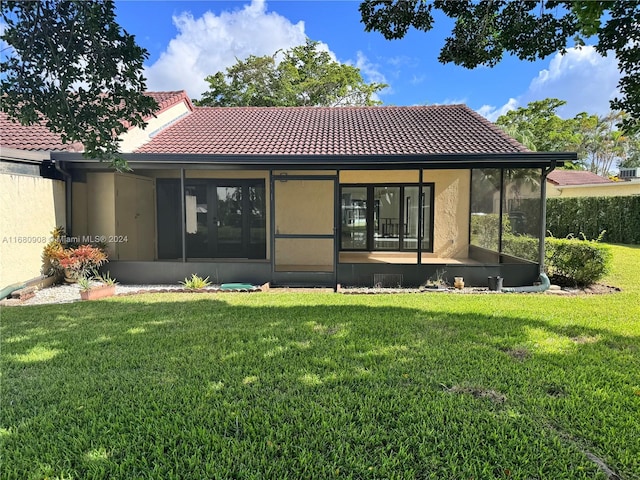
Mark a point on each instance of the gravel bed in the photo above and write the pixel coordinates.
(71, 293)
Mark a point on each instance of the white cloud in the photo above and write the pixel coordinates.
(212, 43)
(492, 113)
(371, 74)
(582, 77)
(370, 71)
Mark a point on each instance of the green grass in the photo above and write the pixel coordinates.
(325, 386)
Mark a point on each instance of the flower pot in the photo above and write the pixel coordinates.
(101, 291)
(458, 283)
(70, 276)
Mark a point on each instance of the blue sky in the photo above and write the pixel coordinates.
(188, 40)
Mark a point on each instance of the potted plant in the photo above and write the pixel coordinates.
(97, 286)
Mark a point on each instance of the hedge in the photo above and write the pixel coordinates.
(619, 217)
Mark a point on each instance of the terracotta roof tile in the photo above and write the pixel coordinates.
(332, 131)
(562, 178)
(33, 137)
(39, 137)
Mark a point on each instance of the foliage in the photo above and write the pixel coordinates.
(579, 262)
(105, 278)
(52, 250)
(72, 67)
(306, 75)
(582, 262)
(537, 125)
(484, 31)
(196, 282)
(619, 216)
(321, 385)
(84, 283)
(79, 261)
(604, 144)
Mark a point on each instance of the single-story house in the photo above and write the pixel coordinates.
(313, 196)
(578, 183)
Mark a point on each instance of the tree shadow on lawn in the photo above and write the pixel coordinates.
(348, 373)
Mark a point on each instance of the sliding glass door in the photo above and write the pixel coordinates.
(223, 219)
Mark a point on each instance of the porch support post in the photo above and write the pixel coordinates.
(420, 217)
(183, 223)
(543, 213)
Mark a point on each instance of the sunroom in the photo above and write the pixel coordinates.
(319, 197)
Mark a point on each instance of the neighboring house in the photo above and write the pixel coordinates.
(577, 183)
(312, 196)
(32, 189)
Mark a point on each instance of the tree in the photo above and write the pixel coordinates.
(539, 128)
(306, 75)
(484, 30)
(71, 66)
(605, 145)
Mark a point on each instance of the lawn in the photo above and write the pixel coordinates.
(276, 386)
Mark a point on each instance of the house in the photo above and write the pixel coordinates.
(32, 188)
(577, 183)
(313, 196)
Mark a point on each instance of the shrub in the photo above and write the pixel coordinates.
(619, 216)
(196, 282)
(581, 262)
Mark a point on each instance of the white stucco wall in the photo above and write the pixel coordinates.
(31, 208)
(136, 137)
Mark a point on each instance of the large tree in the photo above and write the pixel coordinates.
(484, 30)
(540, 129)
(305, 75)
(71, 66)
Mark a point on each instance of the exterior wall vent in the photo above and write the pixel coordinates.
(629, 173)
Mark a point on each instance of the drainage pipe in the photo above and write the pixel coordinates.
(68, 212)
(6, 291)
(545, 283)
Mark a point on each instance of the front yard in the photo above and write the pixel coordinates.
(325, 386)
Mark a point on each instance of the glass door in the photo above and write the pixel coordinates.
(225, 219)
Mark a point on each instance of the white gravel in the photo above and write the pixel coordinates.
(71, 293)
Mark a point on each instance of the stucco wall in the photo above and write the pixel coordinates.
(451, 212)
(136, 137)
(618, 189)
(31, 208)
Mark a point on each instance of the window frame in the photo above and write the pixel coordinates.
(370, 243)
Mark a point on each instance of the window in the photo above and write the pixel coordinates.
(386, 217)
(223, 219)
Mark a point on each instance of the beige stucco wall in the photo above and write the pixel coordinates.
(451, 212)
(617, 189)
(136, 137)
(380, 176)
(31, 208)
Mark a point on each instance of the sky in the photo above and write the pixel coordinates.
(188, 40)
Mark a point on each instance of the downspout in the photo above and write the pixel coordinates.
(545, 283)
(68, 185)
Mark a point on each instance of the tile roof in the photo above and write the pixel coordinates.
(33, 137)
(340, 131)
(39, 137)
(169, 99)
(563, 178)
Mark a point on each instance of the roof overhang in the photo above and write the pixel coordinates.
(324, 162)
(24, 156)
